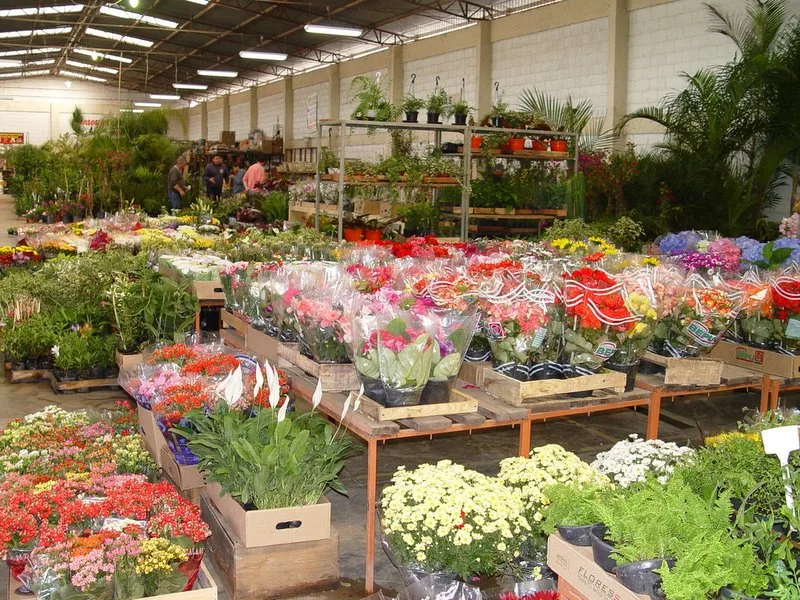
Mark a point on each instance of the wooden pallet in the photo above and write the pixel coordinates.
(28, 375)
(592, 403)
(83, 386)
(524, 393)
(730, 375)
(334, 377)
(460, 403)
(688, 371)
(269, 571)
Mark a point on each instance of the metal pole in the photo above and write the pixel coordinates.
(342, 132)
(318, 177)
(465, 187)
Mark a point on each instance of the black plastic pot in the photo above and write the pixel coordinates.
(435, 392)
(96, 372)
(630, 373)
(412, 116)
(601, 549)
(546, 370)
(44, 362)
(433, 118)
(650, 368)
(497, 121)
(640, 578)
(577, 535)
(111, 372)
(728, 594)
(516, 371)
(460, 118)
(373, 389)
(68, 375)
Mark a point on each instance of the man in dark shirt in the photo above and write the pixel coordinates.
(176, 186)
(214, 176)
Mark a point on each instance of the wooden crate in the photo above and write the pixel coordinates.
(153, 438)
(460, 403)
(335, 378)
(756, 359)
(688, 371)
(520, 393)
(83, 386)
(234, 330)
(205, 588)
(472, 372)
(264, 346)
(28, 375)
(128, 361)
(269, 571)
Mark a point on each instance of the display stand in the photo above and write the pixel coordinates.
(492, 414)
(778, 386)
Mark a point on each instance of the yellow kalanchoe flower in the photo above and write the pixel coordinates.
(729, 436)
(159, 554)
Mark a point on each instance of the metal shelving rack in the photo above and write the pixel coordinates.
(466, 130)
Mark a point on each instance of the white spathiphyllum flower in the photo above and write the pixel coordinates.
(219, 390)
(282, 411)
(357, 403)
(274, 388)
(235, 387)
(346, 406)
(316, 398)
(259, 381)
(55, 350)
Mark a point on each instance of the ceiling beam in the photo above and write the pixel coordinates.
(471, 11)
(88, 13)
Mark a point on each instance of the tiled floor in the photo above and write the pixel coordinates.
(684, 421)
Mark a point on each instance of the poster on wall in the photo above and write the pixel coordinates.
(311, 113)
(11, 139)
(88, 124)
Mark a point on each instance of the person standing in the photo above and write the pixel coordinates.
(176, 184)
(255, 178)
(238, 179)
(214, 177)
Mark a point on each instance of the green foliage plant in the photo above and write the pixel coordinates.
(371, 102)
(412, 104)
(573, 505)
(265, 462)
(438, 101)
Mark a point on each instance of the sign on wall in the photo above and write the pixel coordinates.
(11, 139)
(311, 113)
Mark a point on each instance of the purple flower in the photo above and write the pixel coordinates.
(753, 253)
(672, 243)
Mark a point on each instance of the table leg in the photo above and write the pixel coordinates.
(372, 485)
(197, 323)
(766, 394)
(653, 414)
(525, 438)
(775, 394)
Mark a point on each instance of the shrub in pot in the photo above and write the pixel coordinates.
(498, 113)
(371, 102)
(411, 106)
(72, 356)
(437, 104)
(573, 510)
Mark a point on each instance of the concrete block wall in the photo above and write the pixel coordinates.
(240, 114)
(195, 123)
(565, 61)
(450, 67)
(346, 102)
(271, 110)
(300, 102)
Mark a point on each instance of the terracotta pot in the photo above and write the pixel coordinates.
(516, 144)
(476, 141)
(539, 145)
(352, 234)
(558, 145)
(373, 235)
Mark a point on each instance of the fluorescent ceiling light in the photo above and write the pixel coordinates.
(200, 2)
(262, 55)
(93, 54)
(164, 97)
(213, 73)
(45, 10)
(24, 74)
(81, 65)
(131, 110)
(332, 30)
(33, 32)
(27, 51)
(126, 14)
(41, 63)
(125, 39)
(189, 86)
(4, 63)
(148, 104)
(82, 76)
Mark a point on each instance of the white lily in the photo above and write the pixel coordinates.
(259, 381)
(316, 398)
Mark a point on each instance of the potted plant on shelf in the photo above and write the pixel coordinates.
(460, 111)
(558, 144)
(498, 113)
(412, 106)
(371, 102)
(354, 229)
(420, 218)
(437, 105)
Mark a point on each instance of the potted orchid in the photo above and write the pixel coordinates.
(405, 356)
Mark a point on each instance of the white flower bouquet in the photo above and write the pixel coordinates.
(445, 518)
(547, 465)
(634, 459)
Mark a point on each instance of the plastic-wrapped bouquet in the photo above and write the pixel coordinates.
(786, 299)
(170, 409)
(234, 285)
(755, 324)
(322, 324)
(452, 333)
(633, 459)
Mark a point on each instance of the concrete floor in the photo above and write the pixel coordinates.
(683, 421)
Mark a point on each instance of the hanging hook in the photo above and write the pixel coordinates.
(413, 77)
(496, 86)
(437, 81)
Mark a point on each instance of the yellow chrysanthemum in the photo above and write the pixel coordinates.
(723, 438)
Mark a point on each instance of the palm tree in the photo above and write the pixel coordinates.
(734, 128)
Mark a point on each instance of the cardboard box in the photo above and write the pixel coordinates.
(272, 146)
(209, 291)
(264, 346)
(568, 592)
(585, 579)
(755, 359)
(183, 477)
(153, 438)
(128, 361)
(228, 138)
(256, 528)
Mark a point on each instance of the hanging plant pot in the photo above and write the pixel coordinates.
(373, 235)
(352, 234)
(640, 578)
(412, 116)
(371, 114)
(515, 144)
(558, 145)
(433, 118)
(460, 118)
(601, 549)
(476, 141)
(497, 121)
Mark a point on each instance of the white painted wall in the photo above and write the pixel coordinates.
(451, 67)
(214, 123)
(571, 60)
(195, 123)
(34, 124)
(300, 102)
(271, 111)
(240, 117)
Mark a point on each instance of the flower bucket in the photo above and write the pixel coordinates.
(191, 568)
(373, 235)
(515, 144)
(539, 145)
(352, 234)
(476, 141)
(177, 444)
(556, 146)
(17, 561)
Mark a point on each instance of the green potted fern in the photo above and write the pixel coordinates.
(460, 111)
(412, 106)
(437, 105)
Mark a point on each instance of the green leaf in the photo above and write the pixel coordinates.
(397, 327)
(448, 367)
